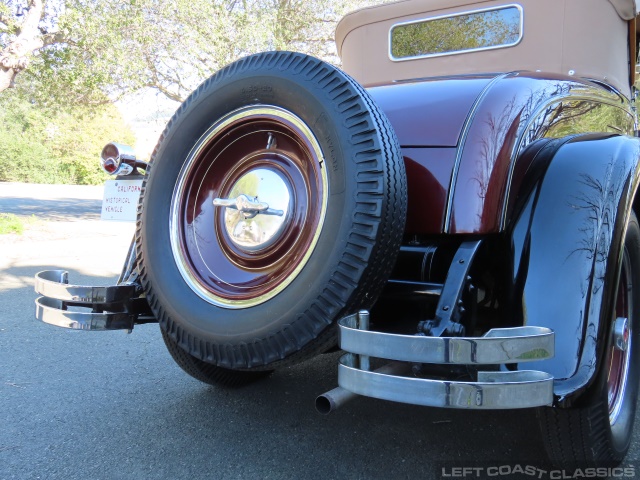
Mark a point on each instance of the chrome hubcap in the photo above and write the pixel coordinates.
(248, 206)
(621, 334)
(619, 354)
(256, 212)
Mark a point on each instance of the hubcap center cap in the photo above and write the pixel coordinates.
(621, 334)
(256, 210)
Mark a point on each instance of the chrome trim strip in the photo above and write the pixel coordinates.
(493, 390)
(53, 312)
(456, 52)
(460, 148)
(55, 284)
(498, 346)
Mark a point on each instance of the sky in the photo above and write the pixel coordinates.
(147, 113)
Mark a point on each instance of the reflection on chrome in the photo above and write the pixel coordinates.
(249, 220)
(490, 389)
(497, 346)
(250, 207)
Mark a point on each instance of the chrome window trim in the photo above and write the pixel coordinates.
(457, 52)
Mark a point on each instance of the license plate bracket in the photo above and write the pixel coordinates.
(120, 200)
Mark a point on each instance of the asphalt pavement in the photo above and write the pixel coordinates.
(109, 405)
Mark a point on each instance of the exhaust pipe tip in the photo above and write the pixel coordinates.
(324, 405)
(333, 399)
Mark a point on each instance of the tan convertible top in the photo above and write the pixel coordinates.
(586, 38)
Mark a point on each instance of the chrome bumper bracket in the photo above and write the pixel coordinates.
(115, 307)
(54, 312)
(55, 284)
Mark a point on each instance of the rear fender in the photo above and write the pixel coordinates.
(565, 236)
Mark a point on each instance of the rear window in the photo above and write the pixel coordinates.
(459, 33)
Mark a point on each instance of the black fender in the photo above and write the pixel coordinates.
(565, 239)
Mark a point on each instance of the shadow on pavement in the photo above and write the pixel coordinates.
(111, 405)
(53, 209)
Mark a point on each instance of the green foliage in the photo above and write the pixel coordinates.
(10, 223)
(85, 53)
(116, 47)
(61, 145)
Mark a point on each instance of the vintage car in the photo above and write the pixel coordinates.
(456, 209)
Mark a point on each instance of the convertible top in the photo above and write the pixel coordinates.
(586, 38)
(627, 9)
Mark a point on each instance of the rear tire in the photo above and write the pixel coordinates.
(597, 431)
(207, 373)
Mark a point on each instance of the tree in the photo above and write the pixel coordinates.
(76, 51)
(20, 37)
(55, 145)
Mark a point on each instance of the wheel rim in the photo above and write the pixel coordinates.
(618, 358)
(248, 206)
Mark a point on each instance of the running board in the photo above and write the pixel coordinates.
(504, 389)
(115, 307)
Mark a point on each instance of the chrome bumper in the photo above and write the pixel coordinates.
(504, 389)
(116, 307)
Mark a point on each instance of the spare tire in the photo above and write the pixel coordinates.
(275, 203)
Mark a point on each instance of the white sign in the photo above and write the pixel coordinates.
(120, 201)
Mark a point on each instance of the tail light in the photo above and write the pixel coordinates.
(118, 159)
